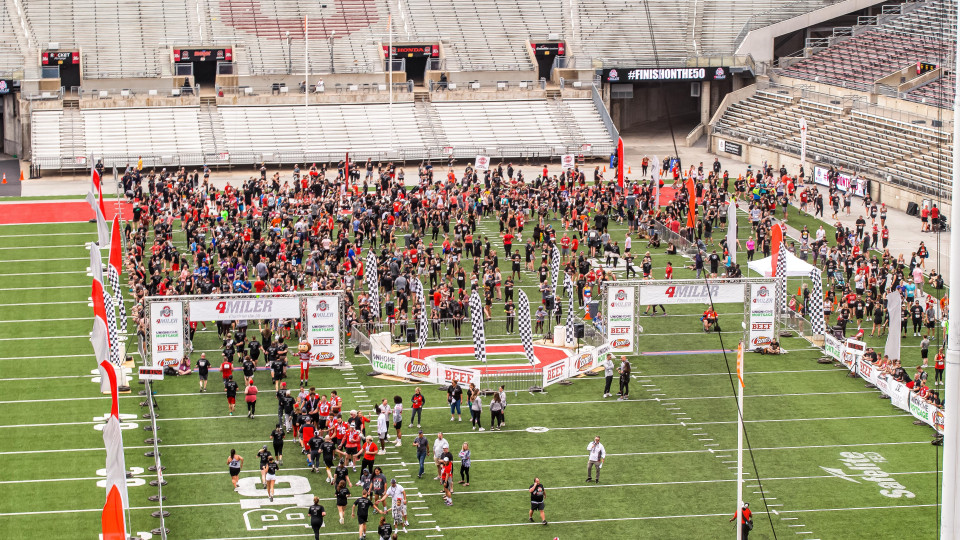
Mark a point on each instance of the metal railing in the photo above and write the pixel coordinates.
(154, 439)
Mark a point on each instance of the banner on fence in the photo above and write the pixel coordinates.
(244, 308)
(762, 316)
(166, 333)
(555, 372)
(832, 346)
(621, 318)
(323, 329)
(718, 293)
(851, 355)
(463, 375)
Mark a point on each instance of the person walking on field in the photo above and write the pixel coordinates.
(271, 475)
(416, 406)
(624, 379)
(747, 518)
(203, 371)
(440, 446)
(230, 387)
(421, 444)
(465, 465)
(250, 395)
(234, 464)
(607, 374)
(446, 479)
(316, 513)
(597, 456)
(277, 435)
(536, 500)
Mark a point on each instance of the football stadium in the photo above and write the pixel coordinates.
(276, 269)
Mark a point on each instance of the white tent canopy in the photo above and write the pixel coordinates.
(795, 266)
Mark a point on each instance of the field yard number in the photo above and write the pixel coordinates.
(291, 494)
(131, 482)
(124, 424)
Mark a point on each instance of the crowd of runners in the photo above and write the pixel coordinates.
(312, 230)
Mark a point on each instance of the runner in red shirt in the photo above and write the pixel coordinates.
(323, 409)
(351, 445)
(226, 368)
(369, 454)
(306, 433)
(939, 363)
(335, 403)
(446, 478)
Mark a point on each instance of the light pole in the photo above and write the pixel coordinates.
(289, 58)
(333, 34)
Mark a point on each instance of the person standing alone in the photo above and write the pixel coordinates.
(746, 516)
(536, 500)
(597, 456)
(624, 378)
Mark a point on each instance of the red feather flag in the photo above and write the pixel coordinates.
(776, 238)
(692, 212)
(620, 162)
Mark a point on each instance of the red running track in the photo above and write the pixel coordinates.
(545, 355)
(29, 212)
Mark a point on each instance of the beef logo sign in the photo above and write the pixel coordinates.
(620, 318)
(323, 329)
(166, 333)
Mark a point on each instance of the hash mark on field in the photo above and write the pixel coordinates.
(786, 518)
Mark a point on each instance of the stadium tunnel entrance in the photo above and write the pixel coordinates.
(200, 65)
(64, 65)
(415, 58)
(546, 55)
(642, 96)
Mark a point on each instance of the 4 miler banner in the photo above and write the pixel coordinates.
(323, 329)
(166, 333)
(620, 318)
(244, 308)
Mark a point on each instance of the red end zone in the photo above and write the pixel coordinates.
(545, 355)
(29, 212)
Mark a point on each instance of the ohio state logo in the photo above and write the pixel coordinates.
(166, 311)
(762, 292)
(621, 295)
(416, 367)
(322, 305)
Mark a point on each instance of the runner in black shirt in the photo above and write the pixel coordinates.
(230, 387)
(254, 347)
(277, 366)
(249, 368)
(316, 513)
(361, 508)
(314, 444)
(327, 448)
(277, 435)
(264, 456)
(203, 370)
(536, 500)
(342, 494)
(916, 314)
(385, 530)
(271, 471)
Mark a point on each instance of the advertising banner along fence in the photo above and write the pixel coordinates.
(166, 333)
(850, 354)
(621, 318)
(323, 329)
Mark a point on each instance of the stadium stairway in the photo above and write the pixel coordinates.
(212, 135)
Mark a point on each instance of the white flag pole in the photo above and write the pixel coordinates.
(306, 78)
(951, 388)
(740, 373)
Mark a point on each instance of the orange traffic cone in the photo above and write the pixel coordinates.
(21, 176)
(629, 171)
(4, 178)
(587, 317)
(604, 168)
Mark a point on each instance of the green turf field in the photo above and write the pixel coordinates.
(671, 447)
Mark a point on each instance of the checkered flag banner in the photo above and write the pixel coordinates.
(782, 278)
(571, 332)
(554, 268)
(422, 315)
(115, 357)
(523, 323)
(114, 280)
(476, 321)
(373, 283)
(815, 309)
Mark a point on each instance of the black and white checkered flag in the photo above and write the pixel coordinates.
(421, 315)
(523, 323)
(114, 280)
(782, 278)
(476, 321)
(571, 331)
(815, 309)
(555, 268)
(115, 357)
(373, 283)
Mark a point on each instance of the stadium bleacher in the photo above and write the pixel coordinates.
(938, 93)
(924, 34)
(418, 130)
(842, 135)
